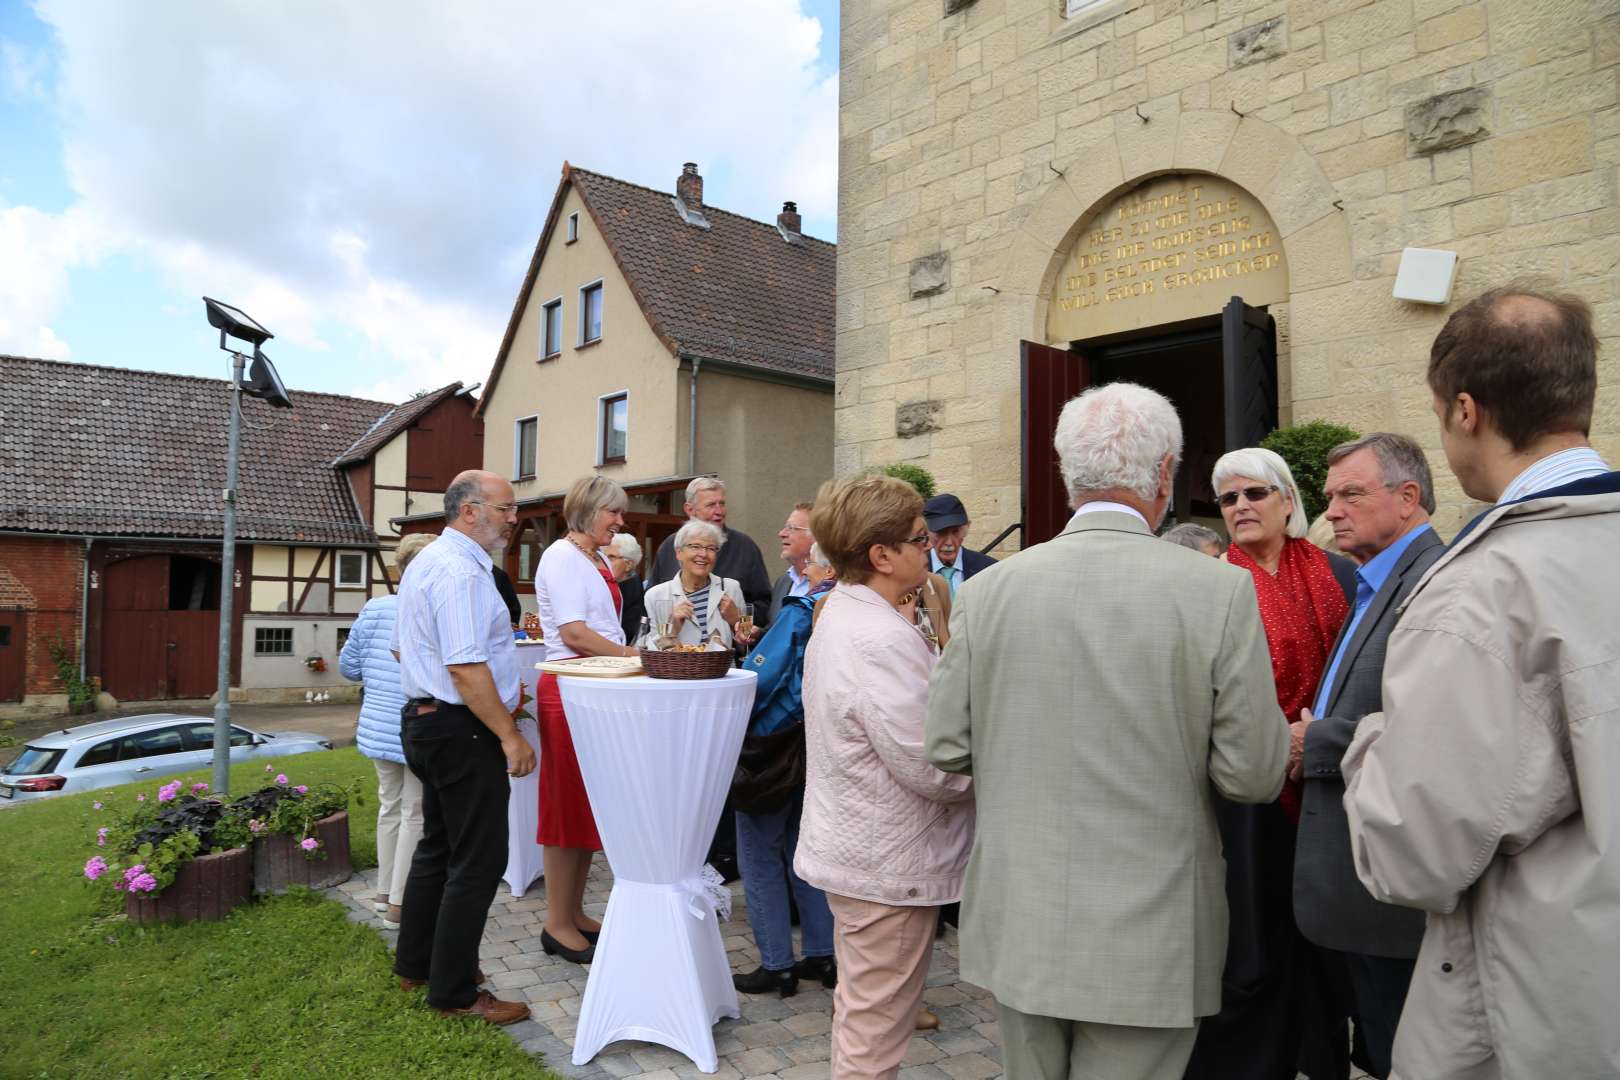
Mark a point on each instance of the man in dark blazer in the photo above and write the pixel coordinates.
(1380, 496)
(947, 533)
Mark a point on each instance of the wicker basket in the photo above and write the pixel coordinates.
(677, 665)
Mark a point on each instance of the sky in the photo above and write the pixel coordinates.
(367, 179)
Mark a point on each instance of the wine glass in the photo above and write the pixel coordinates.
(745, 624)
(925, 624)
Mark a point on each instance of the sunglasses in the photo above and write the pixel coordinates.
(1228, 499)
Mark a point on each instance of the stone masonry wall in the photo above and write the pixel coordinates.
(973, 142)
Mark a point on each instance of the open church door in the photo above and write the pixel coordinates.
(1050, 378)
(1248, 373)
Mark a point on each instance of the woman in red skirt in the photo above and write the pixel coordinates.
(579, 615)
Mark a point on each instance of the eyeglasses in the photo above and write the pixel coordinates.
(701, 549)
(504, 508)
(1228, 499)
(921, 540)
(795, 528)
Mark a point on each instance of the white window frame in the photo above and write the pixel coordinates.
(555, 302)
(583, 289)
(338, 581)
(601, 427)
(517, 447)
(573, 227)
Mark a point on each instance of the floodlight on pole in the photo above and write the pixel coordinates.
(233, 322)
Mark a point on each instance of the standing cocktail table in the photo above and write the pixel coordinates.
(657, 757)
(525, 858)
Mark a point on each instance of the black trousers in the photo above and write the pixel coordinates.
(462, 853)
(1380, 984)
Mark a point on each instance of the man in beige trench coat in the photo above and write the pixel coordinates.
(1095, 687)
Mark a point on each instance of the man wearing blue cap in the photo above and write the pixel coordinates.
(947, 531)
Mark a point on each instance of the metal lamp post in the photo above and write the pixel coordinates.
(263, 382)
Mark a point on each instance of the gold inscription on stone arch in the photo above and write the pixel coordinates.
(1173, 248)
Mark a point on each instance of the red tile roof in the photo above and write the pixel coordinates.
(109, 451)
(393, 422)
(737, 291)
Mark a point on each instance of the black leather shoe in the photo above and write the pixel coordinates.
(762, 980)
(590, 935)
(553, 947)
(824, 968)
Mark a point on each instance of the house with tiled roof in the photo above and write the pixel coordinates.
(111, 524)
(656, 338)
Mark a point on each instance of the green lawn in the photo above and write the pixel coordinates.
(285, 987)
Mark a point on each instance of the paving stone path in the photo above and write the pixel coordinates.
(775, 1037)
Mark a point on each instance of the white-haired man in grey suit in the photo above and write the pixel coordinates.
(1095, 903)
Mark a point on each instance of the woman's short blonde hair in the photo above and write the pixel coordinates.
(410, 547)
(1267, 466)
(852, 515)
(588, 495)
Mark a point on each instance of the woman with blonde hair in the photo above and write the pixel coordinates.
(579, 602)
(366, 659)
(884, 833)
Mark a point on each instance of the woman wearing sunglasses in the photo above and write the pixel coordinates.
(884, 833)
(1281, 1012)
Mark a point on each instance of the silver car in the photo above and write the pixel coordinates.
(135, 748)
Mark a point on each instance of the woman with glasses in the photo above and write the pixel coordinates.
(1281, 1012)
(694, 605)
(884, 834)
(579, 602)
(624, 556)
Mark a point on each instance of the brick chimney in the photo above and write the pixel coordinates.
(788, 220)
(689, 186)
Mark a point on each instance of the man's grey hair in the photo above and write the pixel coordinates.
(463, 490)
(1190, 534)
(701, 484)
(699, 530)
(1268, 467)
(819, 557)
(1113, 437)
(625, 546)
(1399, 459)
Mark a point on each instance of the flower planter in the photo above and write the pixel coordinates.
(208, 887)
(278, 861)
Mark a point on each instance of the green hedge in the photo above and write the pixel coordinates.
(1305, 447)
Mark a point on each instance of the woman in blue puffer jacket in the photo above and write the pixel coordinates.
(366, 659)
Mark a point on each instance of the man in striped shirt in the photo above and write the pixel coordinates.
(459, 675)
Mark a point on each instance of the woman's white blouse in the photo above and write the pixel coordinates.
(569, 588)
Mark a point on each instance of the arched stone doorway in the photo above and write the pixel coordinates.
(1308, 234)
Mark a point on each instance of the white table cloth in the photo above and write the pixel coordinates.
(524, 857)
(657, 756)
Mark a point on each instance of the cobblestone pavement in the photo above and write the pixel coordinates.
(775, 1037)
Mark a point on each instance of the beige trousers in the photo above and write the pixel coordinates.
(1049, 1048)
(883, 953)
(399, 826)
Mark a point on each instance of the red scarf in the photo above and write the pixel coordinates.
(1302, 608)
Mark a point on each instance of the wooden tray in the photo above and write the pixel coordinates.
(593, 667)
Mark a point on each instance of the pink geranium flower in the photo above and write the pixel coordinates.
(281, 778)
(255, 826)
(140, 797)
(302, 789)
(309, 843)
(95, 867)
(167, 792)
(101, 837)
(96, 805)
(199, 788)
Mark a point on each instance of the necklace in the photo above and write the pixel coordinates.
(581, 548)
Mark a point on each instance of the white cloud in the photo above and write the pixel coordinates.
(22, 71)
(37, 251)
(386, 169)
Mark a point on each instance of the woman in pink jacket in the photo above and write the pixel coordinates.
(884, 833)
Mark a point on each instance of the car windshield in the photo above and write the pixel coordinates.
(33, 761)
